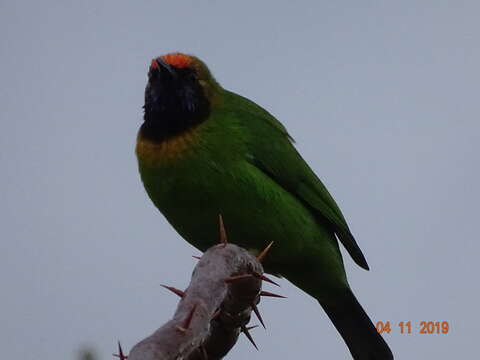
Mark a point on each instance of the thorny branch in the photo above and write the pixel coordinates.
(215, 308)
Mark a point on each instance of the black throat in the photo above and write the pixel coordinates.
(174, 103)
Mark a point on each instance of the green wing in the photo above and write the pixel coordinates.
(272, 152)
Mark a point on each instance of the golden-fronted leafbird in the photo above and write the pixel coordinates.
(204, 151)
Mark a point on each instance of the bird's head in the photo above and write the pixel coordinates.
(178, 96)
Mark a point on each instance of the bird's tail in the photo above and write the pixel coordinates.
(356, 328)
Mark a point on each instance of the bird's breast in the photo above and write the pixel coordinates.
(153, 153)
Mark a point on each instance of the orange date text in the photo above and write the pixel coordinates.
(411, 327)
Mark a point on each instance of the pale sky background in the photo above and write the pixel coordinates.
(381, 96)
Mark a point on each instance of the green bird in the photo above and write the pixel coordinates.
(204, 151)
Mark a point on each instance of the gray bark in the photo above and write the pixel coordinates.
(212, 311)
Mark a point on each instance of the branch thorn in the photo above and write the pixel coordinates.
(216, 313)
(262, 255)
(174, 290)
(186, 324)
(249, 337)
(255, 310)
(269, 294)
(264, 278)
(237, 277)
(120, 354)
(223, 233)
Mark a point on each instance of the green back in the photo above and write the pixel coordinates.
(271, 150)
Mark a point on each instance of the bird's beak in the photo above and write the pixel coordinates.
(160, 65)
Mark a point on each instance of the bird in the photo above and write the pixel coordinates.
(203, 150)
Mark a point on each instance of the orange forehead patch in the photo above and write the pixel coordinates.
(177, 60)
